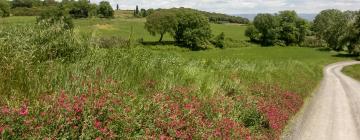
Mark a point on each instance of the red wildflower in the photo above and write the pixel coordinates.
(5, 110)
(24, 110)
(97, 124)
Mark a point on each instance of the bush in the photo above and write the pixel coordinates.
(105, 10)
(35, 11)
(219, 41)
(313, 42)
(252, 33)
(54, 16)
(112, 42)
(4, 8)
(82, 9)
(193, 30)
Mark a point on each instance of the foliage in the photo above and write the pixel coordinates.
(34, 11)
(82, 9)
(21, 3)
(55, 16)
(193, 30)
(283, 29)
(4, 8)
(267, 25)
(330, 25)
(252, 33)
(161, 22)
(213, 17)
(292, 28)
(219, 41)
(105, 10)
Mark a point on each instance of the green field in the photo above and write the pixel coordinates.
(163, 90)
(353, 71)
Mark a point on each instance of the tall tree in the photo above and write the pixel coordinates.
(161, 23)
(4, 8)
(267, 25)
(330, 25)
(105, 10)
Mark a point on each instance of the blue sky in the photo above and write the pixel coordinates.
(242, 6)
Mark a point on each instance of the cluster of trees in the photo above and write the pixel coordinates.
(142, 12)
(284, 28)
(188, 28)
(340, 30)
(213, 17)
(77, 9)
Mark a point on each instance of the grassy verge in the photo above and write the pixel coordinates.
(353, 71)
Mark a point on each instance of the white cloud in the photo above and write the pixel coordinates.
(242, 6)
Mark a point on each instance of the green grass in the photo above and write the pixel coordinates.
(353, 71)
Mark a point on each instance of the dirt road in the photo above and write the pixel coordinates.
(334, 111)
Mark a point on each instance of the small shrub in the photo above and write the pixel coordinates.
(219, 41)
(111, 42)
(313, 42)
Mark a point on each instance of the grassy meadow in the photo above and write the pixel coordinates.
(353, 71)
(151, 91)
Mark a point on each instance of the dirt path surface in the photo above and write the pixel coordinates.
(333, 113)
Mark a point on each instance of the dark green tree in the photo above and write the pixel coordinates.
(4, 8)
(161, 22)
(193, 30)
(21, 3)
(252, 33)
(330, 25)
(105, 10)
(268, 27)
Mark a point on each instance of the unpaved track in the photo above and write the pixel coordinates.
(334, 111)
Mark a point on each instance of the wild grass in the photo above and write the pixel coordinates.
(353, 71)
(151, 92)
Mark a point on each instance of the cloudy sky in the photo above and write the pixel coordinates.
(242, 6)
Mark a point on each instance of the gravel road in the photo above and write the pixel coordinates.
(333, 113)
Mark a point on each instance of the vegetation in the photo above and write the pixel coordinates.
(353, 71)
(285, 28)
(161, 22)
(105, 10)
(4, 8)
(101, 80)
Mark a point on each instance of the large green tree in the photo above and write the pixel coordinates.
(105, 10)
(4, 8)
(292, 27)
(267, 25)
(330, 25)
(193, 29)
(161, 22)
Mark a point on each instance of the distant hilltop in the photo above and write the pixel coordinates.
(309, 17)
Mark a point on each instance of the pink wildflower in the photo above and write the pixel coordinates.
(24, 110)
(5, 110)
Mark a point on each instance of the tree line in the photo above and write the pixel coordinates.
(76, 9)
(213, 17)
(339, 30)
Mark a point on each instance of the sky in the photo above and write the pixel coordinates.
(242, 6)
